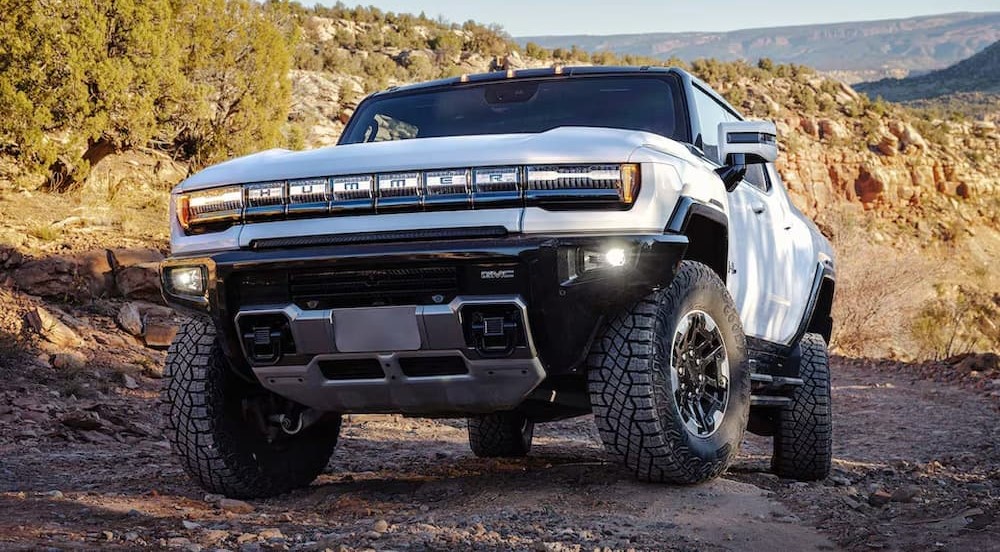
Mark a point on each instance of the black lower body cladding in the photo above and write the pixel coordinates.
(568, 283)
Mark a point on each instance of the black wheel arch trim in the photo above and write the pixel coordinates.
(687, 207)
(824, 276)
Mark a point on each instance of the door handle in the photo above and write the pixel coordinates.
(758, 208)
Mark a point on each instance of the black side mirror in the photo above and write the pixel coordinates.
(734, 171)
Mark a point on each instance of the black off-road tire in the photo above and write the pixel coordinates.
(221, 449)
(803, 438)
(631, 393)
(500, 434)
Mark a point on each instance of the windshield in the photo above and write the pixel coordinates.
(651, 104)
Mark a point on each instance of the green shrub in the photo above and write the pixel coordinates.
(962, 320)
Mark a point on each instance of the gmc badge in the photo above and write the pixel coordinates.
(496, 274)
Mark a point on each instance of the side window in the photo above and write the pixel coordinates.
(757, 175)
(710, 114)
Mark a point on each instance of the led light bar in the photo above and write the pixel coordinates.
(264, 200)
(351, 194)
(600, 183)
(399, 190)
(586, 186)
(310, 196)
(448, 187)
(495, 186)
(210, 206)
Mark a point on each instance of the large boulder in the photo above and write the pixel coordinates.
(57, 277)
(132, 273)
(141, 281)
(908, 136)
(52, 329)
(137, 273)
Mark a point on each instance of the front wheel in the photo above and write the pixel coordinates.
(670, 383)
(219, 424)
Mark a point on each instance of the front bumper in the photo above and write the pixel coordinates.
(558, 315)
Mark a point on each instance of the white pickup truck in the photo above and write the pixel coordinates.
(512, 248)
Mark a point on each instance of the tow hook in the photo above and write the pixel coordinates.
(295, 423)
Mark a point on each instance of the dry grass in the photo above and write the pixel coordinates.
(45, 232)
(879, 288)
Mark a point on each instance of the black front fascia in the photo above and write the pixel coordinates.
(564, 314)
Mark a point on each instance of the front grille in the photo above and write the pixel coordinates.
(351, 369)
(334, 285)
(373, 287)
(419, 367)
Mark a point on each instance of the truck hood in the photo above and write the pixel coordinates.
(557, 146)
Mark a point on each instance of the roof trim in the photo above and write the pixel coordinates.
(533, 73)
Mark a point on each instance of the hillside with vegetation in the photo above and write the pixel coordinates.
(853, 51)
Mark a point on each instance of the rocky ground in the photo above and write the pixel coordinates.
(917, 466)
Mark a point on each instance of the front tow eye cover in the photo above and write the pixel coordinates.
(493, 330)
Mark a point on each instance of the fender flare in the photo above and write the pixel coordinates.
(824, 273)
(688, 206)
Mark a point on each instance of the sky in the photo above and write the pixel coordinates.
(549, 17)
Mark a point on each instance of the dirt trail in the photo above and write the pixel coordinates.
(931, 451)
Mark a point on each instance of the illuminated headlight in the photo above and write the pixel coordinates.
(609, 258)
(186, 280)
(581, 262)
(599, 183)
(208, 206)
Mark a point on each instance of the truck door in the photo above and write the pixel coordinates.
(760, 264)
(761, 248)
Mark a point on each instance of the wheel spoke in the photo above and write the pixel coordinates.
(710, 357)
(699, 415)
(717, 404)
(711, 381)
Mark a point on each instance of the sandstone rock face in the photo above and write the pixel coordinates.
(830, 129)
(908, 136)
(897, 170)
(57, 277)
(132, 273)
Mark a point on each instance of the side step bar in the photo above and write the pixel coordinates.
(768, 390)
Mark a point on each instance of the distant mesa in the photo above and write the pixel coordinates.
(852, 51)
(979, 74)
